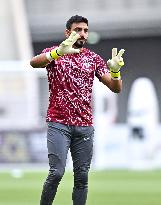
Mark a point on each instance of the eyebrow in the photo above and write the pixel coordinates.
(81, 28)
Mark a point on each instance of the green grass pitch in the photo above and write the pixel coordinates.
(105, 188)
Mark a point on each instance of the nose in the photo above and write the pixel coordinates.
(82, 33)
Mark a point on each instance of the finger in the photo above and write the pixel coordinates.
(114, 52)
(73, 33)
(121, 63)
(71, 39)
(121, 52)
(109, 62)
(74, 36)
(72, 50)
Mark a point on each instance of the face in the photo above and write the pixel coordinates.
(82, 30)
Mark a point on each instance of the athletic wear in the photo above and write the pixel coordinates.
(70, 87)
(70, 120)
(60, 138)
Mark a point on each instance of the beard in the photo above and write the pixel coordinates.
(80, 43)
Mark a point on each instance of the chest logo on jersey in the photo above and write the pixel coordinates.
(86, 63)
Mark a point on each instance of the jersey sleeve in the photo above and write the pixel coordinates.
(101, 67)
(46, 50)
(49, 67)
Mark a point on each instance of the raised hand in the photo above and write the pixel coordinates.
(116, 63)
(64, 48)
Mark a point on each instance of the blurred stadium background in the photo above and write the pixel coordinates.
(126, 167)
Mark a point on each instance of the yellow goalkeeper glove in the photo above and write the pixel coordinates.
(116, 63)
(64, 48)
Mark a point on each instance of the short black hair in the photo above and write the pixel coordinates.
(76, 19)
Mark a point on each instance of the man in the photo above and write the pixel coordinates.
(71, 69)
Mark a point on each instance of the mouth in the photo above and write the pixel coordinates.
(80, 42)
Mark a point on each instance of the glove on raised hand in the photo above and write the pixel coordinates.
(116, 63)
(64, 48)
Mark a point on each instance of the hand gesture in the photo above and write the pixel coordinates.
(66, 46)
(117, 61)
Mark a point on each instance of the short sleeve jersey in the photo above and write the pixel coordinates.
(70, 81)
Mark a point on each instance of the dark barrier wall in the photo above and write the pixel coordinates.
(142, 59)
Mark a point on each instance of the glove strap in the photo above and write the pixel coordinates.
(54, 54)
(115, 75)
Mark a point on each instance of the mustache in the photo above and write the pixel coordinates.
(82, 38)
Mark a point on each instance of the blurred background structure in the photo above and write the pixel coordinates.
(27, 27)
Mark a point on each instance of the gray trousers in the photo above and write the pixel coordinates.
(61, 138)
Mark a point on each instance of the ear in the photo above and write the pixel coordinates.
(67, 33)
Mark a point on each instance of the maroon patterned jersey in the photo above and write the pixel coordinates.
(70, 87)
